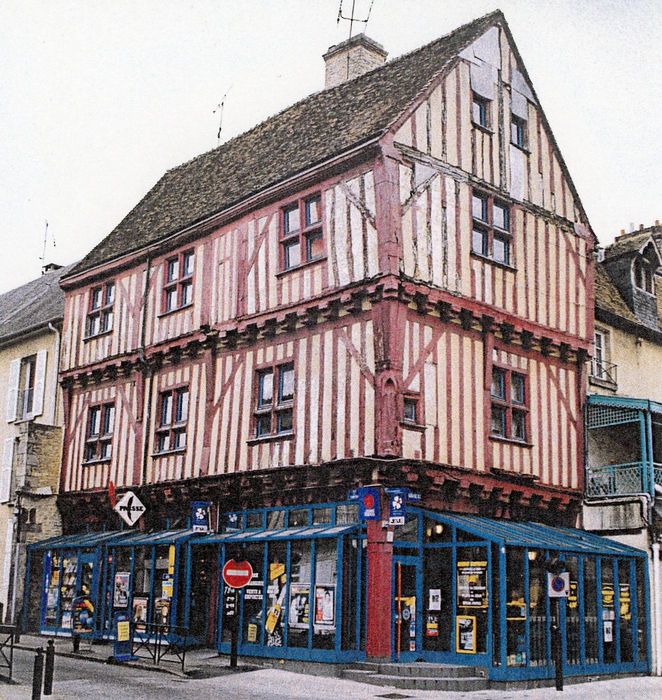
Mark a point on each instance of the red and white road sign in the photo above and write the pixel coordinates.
(237, 574)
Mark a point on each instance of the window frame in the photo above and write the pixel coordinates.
(167, 432)
(643, 276)
(179, 282)
(505, 405)
(484, 106)
(279, 405)
(304, 235)
(521, 139)
(103, 438)
(485, 227)
(103, 312)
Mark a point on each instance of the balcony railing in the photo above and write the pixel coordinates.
(604, 371)
(618, 480)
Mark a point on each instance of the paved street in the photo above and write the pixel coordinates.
(82, 678)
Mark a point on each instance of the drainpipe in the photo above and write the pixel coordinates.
(146, 408)
(657, 608)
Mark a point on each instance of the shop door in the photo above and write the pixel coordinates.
(88, 582)
(405, 633)
(203, 601)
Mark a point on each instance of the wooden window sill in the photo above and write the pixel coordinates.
(484, 258)
(94, 462)
(167, 453)
(270, 438)
(484, 129)
(418, 427)
(524, 149)
(174, 311)
(511, 441)
(301, 266)
(87, 338)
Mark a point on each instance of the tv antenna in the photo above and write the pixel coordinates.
(351, 19)
(43, 252)
(219, 109)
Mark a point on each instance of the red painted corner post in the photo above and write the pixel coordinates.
(380, 567)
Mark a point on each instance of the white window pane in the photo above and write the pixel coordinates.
(189, 262)
(109, 420)
(479, 208)
(312, 211)
(478, 242)
(96, 298)
(94, 421)
(292, 222)
(292, 254)
(266, 389)
(110, 293)
(171, 299)
(286, 383)
(173, 269)
(182, 406)
(500, 217)
(187, 293)
(180, 440)
(166, 409)
(500, 250)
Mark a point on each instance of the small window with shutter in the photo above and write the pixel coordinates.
(7, 468)
(25, 395)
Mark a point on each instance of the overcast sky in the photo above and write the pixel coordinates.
(98, 98)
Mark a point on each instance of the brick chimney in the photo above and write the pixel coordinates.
(351, 58)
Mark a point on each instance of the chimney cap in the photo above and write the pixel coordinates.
(50, 267)
(356, 40)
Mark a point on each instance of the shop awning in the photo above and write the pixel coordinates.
(83, 540)
(137, 538)
(292, 533)
(536, 535)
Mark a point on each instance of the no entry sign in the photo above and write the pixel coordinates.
(237, 574)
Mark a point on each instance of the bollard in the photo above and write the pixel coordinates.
(38, 674)
(49, 667)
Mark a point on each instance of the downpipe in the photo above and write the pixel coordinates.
(657, 608)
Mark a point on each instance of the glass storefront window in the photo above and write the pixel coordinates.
(324, 628)
(472, 601)
(275, 519)
(68, 588)
(254, 596)
(409, 531)
(349, 600)
(322, 516)
(347, 514)
(53, 590)
(437, 599)
(515, 608)
(434, 531)
(573, 621)
(625, 610)
(608, 611)
(537, 608)
(276, 590)
(298, 518)
(640, 580)
(254, 521)
(298, 618)
(590, 612)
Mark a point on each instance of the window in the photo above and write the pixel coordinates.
(100, 310)
(99, 436)
(480, 111)
(643, 276)
(28, 373)
(518, 131)
(509, 408)
(602, 369)
(178, 288)
(410, 410)
(490, 236)
(301, 234)
(172, 417)
(275, 400)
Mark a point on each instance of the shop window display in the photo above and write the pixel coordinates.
(625, 610)
(276, 592)
(324, 629)
(572, 617)
(254, 596)
(298, 619)
(437, 598)
(590, 611)
(515, 609)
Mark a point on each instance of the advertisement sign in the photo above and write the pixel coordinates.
(140, 613)
(465, 634)
(325, 607)
(624, 601)
(369, 503)
(434, 601)
(299, 606)
(121, 589)
(472, 584)
(83, 615)
(161, 611)
(167, 587)
(229, 601)
(397, 499)
(558, 585)
(200, 516)
(129, 508)
(122, 644)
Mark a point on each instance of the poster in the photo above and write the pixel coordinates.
(434, 602)
(299, 606)
(273, 623)
(465, 634)
(121, 590)
(140, 613)
(167, 586)
(608, 627)
(432, 626)
(325, 609)
(83, 615)
(624, 601)
(161, 611)
(472, 584)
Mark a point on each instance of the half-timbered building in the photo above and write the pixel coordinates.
(383, 293)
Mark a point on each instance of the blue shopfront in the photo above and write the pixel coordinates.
(463, 589)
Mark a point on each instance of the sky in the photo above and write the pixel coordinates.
(98, 98)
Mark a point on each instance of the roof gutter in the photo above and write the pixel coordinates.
(222, 217)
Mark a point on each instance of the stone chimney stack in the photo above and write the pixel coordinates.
(351, 58)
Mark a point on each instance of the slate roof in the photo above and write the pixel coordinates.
(627, 243)
(32, 305)
(309, 132)
(608, 298)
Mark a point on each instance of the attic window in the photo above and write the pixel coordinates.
(480, 111)
(518, 131)
(178, 288)
(643, 277)
(491, 236)
(100, 310)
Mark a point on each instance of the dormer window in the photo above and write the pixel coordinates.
(643, 276)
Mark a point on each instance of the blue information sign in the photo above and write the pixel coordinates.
(397, 506)
(200, 516)
(122, 645)
(369, 503)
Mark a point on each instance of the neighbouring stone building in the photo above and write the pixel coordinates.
(624, 413)
(31, 426)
